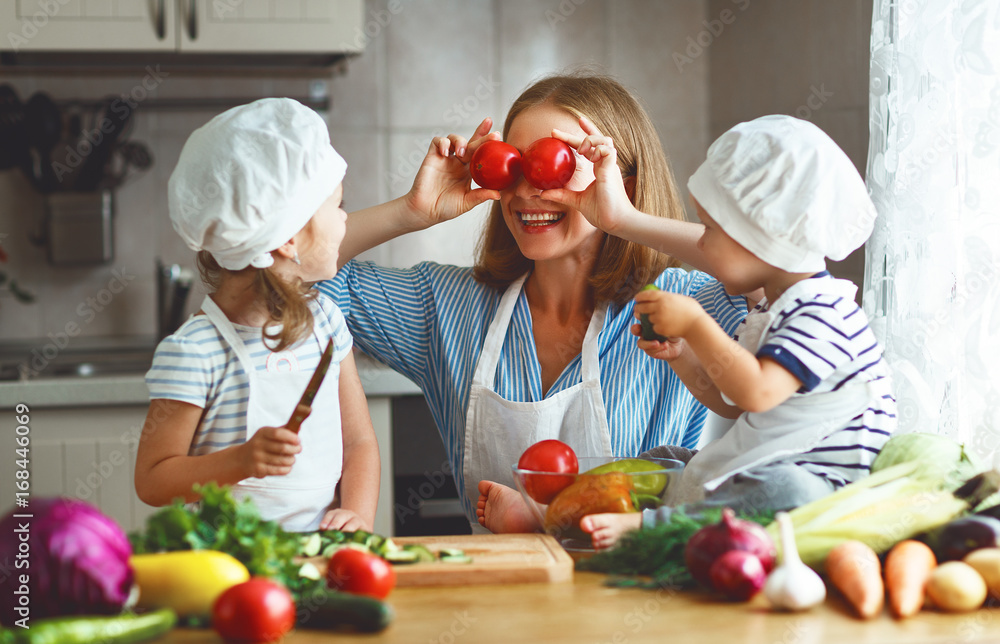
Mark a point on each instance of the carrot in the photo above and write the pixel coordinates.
(908, 566)
(854, 569)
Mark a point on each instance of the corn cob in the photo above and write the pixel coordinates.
(882, 509)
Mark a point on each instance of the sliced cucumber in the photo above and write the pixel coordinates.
(402, 556)
(456, 559)
(361, 536)
(450, 552)
(423, 554)
(310, 571)
(310, 545)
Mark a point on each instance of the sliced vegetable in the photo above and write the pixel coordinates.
(908, 566)
(854, 569)
(956, 587)
(986, 561)
(456, 559)
(322, 608)
(79, 562)
(792, 585)
(188, 581)
(711, 542)
(119, 629)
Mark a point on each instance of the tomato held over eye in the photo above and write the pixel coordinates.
(551, 456)
(361, 573)
(548, 163)
(495, 165)
(257, 610)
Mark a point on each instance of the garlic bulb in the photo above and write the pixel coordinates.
(793, 585)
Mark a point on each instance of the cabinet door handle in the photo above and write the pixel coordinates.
(161, 20)
(192, 20)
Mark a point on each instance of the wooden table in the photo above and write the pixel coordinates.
(586, 611)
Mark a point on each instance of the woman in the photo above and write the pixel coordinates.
(533, 342)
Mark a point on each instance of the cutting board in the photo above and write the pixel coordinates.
(496, 559)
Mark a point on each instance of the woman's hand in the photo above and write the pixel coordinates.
(271, 452)
(442, 189)
(669, 350)
(605, 201)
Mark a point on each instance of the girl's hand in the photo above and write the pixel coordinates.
(669, 350)
(442, 189)
(605, 200)
(271, 452)
(671, 314)
(344, 520)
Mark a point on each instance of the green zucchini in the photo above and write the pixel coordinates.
(647, 327)
(118, 629)
(329, 609)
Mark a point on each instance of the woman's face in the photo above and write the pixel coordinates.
(544, 229)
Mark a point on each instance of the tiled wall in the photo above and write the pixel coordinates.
(434, 67)
(804, 58)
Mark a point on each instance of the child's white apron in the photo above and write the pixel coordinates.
(497, 430)
(299, 499)
(793, 427)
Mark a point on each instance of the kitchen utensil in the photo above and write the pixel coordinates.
(13, 137)
(304, 407)
(173, 285)
(43, 121)
(496, 559)
(112, 124)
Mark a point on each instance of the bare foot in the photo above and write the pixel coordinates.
(501, 509)
(607, 528)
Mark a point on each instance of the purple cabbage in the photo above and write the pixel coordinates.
(78, 561)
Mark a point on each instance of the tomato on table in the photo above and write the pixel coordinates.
(257, 610)
(548, 163)
(361, 573)
(495, 165)
(551, 456)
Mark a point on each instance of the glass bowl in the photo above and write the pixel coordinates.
(593, 493)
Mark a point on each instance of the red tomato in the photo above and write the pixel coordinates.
(257, 610)
(548, 163)
(359, 572)
(548, 456)
(495, 165)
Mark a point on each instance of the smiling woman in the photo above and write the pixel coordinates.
(535, 342)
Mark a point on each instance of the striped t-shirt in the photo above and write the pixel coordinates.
(826, 343)
(429, 323)
(196, 365)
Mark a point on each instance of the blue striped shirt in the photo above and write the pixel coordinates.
(197, 366)
(429, 323)
(826, 343)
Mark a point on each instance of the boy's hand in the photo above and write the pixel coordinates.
(669, 350)
(442, 189)
(605, 200)
(671, 314)
(344, 520)
(271, 452)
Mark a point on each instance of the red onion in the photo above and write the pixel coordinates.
(738, 575)
(713, 541)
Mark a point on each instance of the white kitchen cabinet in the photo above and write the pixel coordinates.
(183, 26)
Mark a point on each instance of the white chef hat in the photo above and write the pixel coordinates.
(251, 178)
(782, 189)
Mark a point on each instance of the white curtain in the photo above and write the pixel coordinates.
(932, 278)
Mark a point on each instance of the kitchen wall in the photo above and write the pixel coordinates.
(437, 66)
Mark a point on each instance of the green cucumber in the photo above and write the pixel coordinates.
(456, 559)
(327, 609)
(647, 327)
(401, 556)
(450, 552)
(423, 554)
(310, 545)
(127, 628)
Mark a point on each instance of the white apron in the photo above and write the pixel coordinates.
(793, 427)
(299, 499)
(497, 430)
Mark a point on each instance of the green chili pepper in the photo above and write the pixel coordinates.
(118, 629)
(651, 484)
(647, 327)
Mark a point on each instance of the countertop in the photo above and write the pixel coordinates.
(130, 388)
(586, 611)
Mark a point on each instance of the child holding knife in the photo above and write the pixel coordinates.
(257, 192)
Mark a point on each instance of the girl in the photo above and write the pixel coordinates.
(257, 192)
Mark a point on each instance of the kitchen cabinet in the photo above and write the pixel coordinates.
(183, 26)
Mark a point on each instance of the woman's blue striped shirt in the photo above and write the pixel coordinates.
(429, 323)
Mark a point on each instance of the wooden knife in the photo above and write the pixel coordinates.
(304, 407)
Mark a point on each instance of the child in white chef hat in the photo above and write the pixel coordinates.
(804, 377)
(257, 192)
